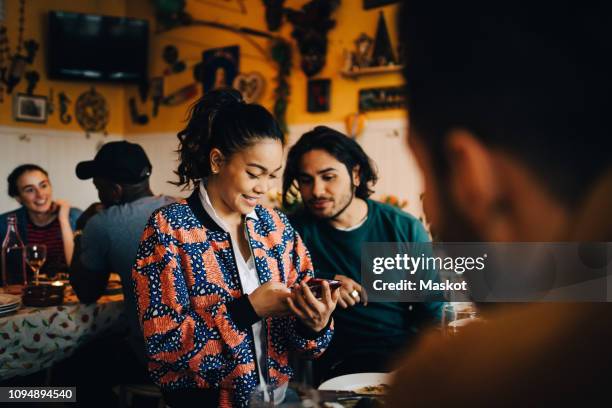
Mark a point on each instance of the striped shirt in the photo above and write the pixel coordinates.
(51, 236)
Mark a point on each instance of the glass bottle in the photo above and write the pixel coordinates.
(13, 260)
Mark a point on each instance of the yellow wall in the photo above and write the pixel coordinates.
(351, 20)
(35, 26)
(191, 41)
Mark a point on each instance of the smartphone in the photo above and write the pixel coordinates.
(316, 285)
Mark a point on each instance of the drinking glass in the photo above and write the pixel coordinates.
(35, 257)
(456, 316)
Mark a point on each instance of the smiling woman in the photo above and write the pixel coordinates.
(41, 220)
(220, 280)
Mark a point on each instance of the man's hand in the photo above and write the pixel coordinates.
(268, 300)
(351, 292)
(87, 214)
(313, 312)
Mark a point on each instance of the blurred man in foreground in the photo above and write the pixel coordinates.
(510, 124)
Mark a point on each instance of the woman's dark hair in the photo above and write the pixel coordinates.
(220, 119)
(343, 148)
(17, 172)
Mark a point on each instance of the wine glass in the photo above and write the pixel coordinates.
(35, 256)
(456, 316)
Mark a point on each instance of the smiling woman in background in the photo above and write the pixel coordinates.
(41, 220)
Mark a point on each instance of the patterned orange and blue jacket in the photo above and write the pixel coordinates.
(195, 317)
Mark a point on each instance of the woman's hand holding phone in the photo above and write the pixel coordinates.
(269, 299)
(314, 313)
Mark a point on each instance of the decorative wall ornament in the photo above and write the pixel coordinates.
(64, 102)
(10, 75)
(137, 117)
(274, 13)
(310, 27)
(91, 111)
(355, 123)
(281, 54)
(318, 95)
(368, 4)
(382, 54)
(381, 98)
(32, 78)
(157, 93)
(220, 67)
(170, 56)
(250, 85)
(181, 96)
(30, 108)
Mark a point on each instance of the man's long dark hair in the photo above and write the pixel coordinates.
(344, 149)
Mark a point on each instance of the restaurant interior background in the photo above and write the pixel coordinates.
(179, 56)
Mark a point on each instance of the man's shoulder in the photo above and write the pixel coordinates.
(399, 220)
(393, 213)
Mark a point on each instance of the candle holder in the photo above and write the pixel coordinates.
(44, 294)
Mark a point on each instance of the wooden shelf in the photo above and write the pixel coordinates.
(371, 71)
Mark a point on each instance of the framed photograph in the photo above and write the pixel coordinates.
(30, 108)
(220, 67)
(318, 95)
(368, 4)
(373, 99)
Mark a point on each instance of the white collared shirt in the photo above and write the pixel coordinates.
(249, 281)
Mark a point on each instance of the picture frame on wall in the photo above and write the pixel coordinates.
(30, 108)
(318, 95)
(369, 4)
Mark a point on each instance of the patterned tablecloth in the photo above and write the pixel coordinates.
(34, 338)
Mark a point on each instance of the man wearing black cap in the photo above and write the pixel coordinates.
(108, 233)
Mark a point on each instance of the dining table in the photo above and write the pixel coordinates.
(34, 338)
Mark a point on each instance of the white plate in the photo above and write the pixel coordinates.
(9, 300)
(11, 307)
(352, 382)
(8, 312)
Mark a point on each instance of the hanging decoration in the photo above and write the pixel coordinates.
(220, 67)
(170, 56)
(382, 53)
(310, 27)
(355, 123)
(65, 117)
(137, 117)
(318, 95)
(157, 93)
(12, 74)
(171, 14)
(181, 96)
(274, 13)
(32, 78)
(92, 112)
(281, 54)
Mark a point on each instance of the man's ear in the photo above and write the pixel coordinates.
(472, 178)
(355, 175)
(18, 199)
(216, 160)
(117, 193)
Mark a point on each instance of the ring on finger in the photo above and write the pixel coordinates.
(354, 294)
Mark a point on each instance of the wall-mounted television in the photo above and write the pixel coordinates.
(97, 48)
